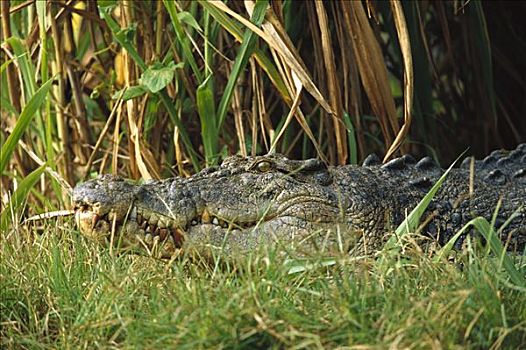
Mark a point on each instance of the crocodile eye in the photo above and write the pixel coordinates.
(264, 166)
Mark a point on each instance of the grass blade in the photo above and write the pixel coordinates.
(28, 72)
(207, 114)
(301, 265)
(24, 64)
(19, 196)
(351, 137)
(23, 122)
(484, 227)
(266, 64)
(410, 224)
(245, 51)
(183, 40)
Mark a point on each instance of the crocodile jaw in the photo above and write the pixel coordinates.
(142, 228)
(162, 236)
(125, 231)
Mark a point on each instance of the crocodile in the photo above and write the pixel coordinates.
(249, 202)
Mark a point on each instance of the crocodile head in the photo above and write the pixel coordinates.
(240, 204)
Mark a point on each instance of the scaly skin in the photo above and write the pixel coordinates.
(304, 205)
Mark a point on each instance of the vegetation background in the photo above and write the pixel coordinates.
(152, 89)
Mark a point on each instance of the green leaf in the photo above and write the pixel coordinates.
(127, 34)
(186, 17)
(158, 76)
(107, 5)
(122, 37)
(20, 196)
(129, 93)
(23, 122)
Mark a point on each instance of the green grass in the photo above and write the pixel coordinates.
(60, 291)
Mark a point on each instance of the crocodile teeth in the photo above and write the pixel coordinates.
(205, 217)
(94, 220)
